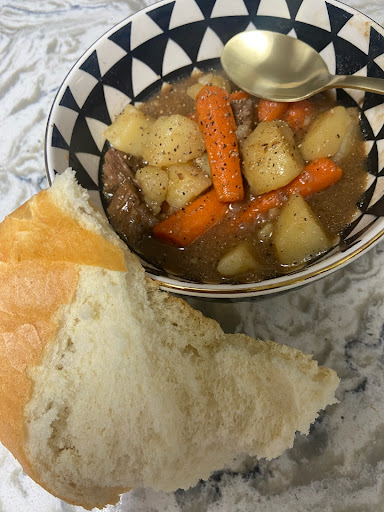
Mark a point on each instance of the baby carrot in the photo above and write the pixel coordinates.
(219, 129)
(298, 114)
(184, 226)
(317, 175)
(270, 110)
(258, 205)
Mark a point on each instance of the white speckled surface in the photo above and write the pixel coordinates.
(340, 319)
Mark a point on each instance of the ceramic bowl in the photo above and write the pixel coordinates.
(171, 38)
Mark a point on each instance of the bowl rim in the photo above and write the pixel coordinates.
(268, 287)
(280, 284)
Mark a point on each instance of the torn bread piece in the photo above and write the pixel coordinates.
(108, 383)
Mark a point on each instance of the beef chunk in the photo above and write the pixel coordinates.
(118, 167)
(244, 111)
(129, 214)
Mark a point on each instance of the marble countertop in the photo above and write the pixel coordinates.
(339, 467)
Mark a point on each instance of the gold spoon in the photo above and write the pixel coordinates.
(282, 68)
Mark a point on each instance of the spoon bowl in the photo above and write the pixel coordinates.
(278, 67)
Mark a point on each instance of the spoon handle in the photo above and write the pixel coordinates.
(365, 83)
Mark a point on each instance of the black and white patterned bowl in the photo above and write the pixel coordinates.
(170, 39)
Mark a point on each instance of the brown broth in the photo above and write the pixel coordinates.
(335, 207)
(172, 99)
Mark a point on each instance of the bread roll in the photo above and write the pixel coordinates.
(108, 383)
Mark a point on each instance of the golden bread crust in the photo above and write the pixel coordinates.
(41, 247)
(40, 230)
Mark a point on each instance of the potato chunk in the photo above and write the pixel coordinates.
(154, 186)
(271, 158)
(326, 134)
(298, 235)
(185, 183)
(129, 131)
(173, 139)
(238, 260)
(352, 135)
